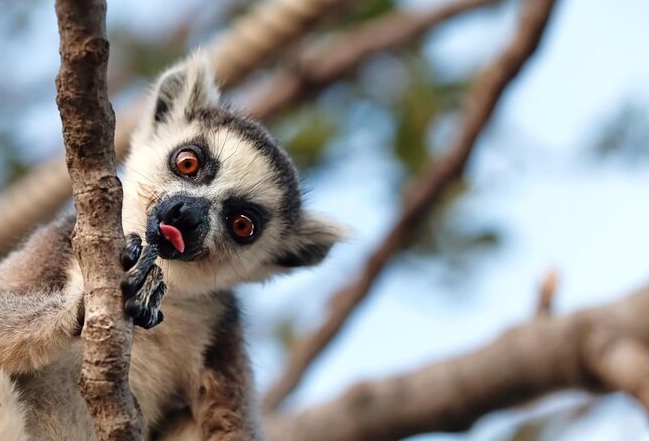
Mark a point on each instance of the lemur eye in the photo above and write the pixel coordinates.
(242, 228)
(244, 220)
(187, 162)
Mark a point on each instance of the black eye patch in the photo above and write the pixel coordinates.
(244, 220)
(207, 165)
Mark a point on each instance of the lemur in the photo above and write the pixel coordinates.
(210, 201)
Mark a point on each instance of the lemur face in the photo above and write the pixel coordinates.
(213, 191)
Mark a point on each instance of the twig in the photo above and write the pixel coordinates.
(546, 294)
(524, 363)
(253, 38)
(88, 129)
(424, 193)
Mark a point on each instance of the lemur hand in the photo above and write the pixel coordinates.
(142, 285)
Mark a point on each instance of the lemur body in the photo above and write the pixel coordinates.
(216, 202)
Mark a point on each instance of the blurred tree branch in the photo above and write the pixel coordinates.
(619, 361)
(252, 39)
(423, 194)
(600, 349)
(88, 129)
(317, 67)
(263, 32)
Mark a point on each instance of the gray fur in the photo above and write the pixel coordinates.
(190, 374)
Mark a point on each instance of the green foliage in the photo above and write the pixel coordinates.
(305, 133)
(13, 165)
(625, 135)
(423, 100)
(367, 9)
(144, 57)
(417, 108)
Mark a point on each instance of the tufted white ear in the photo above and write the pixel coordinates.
(310, 241)
(185, 87)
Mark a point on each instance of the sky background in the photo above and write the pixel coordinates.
(533, 179)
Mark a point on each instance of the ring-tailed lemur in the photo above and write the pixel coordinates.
(210, 201)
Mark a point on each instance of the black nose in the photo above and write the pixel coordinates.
(183, 212)
(190, 217)
(180, 213)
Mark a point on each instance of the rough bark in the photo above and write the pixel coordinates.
(424, 193)
(600, 349)
(88, 131)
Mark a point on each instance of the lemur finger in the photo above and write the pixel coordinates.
(144, 306)
(131, 252)
(134, 278)
(142, 316)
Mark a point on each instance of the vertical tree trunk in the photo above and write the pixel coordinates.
(88, 132)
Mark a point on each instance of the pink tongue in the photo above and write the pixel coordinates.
(173, 235)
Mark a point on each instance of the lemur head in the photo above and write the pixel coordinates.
(213, 191)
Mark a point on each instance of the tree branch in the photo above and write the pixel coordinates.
(545, 355)
(425, 192)
(88, 129)
(620, 362)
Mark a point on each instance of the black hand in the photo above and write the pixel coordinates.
(142, 286)
(134, 278)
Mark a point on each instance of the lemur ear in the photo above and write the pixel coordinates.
(310, 242)
(185, 87)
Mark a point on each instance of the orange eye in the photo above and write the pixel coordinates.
(187, 163)
(241, 226)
